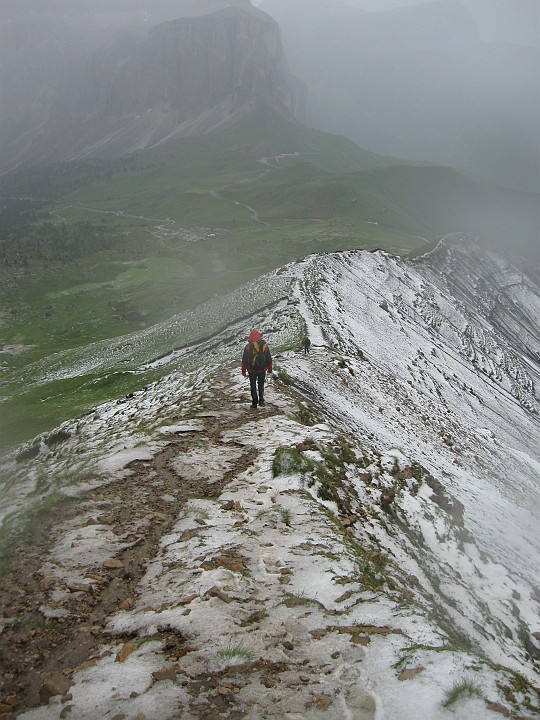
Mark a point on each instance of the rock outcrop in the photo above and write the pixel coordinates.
(192, 75)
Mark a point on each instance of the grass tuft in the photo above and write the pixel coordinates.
(283, 376)
(288, 461)
(286, 517)
(235, 652)
(464, 688)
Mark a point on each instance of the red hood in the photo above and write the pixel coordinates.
(254, 336)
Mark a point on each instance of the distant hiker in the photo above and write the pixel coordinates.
(306, 344)
(256, 362)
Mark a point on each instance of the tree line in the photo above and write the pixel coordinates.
(53, 181)
(28, 244)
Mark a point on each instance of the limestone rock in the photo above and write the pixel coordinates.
(54, 685)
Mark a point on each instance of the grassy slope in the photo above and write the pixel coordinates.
(334, 196)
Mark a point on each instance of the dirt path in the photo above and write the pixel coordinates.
(239, 573)
(44, 641)
(212, 581)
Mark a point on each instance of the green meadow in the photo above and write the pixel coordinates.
(180, 225)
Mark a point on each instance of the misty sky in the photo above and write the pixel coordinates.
(511, 20)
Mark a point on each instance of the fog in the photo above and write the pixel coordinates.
(512, 20)
(454, 82)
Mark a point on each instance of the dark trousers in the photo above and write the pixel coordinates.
(256, 382)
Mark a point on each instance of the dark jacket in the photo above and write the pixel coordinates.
(256, 337)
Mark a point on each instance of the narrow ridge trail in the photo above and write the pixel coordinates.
(257, 565)
(84, 598)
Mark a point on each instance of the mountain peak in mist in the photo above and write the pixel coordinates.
(193, 74)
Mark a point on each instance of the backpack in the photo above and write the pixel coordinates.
(257, 356)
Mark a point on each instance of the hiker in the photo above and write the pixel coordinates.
(306, 344)
(256, 362)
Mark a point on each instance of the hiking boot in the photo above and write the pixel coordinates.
(253, 406)
(262, 403)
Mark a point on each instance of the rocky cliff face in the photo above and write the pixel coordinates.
(191, 75)
(189, 66)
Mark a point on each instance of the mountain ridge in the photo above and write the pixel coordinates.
(158, 234)
(377, 520)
